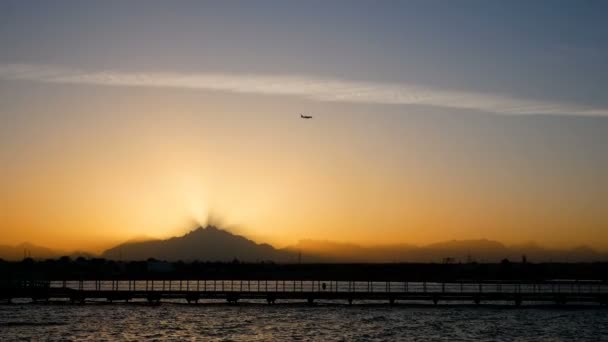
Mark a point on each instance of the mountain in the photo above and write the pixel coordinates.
(214, 244)
(27, 249)
(481, 250)
(204, 244)
(467, 250)
(456, 250)
(329, 251)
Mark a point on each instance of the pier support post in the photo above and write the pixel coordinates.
(517, 300)
(77, 300)
(391, 301)
(350, 301)
(192, 298)
(44, 300)
(560, 300)
(311, 301)
(154, 299)
(232, 298)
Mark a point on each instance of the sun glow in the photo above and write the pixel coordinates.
(109, 167)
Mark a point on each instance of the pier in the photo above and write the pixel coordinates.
(307, 291)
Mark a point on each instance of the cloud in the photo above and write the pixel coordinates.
(309, 87)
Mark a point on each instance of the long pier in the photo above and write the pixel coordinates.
(307, 291)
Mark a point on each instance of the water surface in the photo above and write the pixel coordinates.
(330, 322)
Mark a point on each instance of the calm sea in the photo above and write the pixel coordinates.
(284, 322)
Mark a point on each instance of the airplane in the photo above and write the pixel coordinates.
(305, 116)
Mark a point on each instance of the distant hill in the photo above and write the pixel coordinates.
(328, 251)
(18, 252)
(27, 249)
(214, 244)
(468, 250)
(204, 244)
(481, 250)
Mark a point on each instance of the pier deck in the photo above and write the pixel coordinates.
(308, 291)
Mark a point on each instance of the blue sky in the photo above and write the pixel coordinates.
(555, 50)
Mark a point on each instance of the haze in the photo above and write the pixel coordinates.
(432, 121)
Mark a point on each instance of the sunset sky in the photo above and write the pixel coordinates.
(433, 120)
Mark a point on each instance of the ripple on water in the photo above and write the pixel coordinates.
(300, 323)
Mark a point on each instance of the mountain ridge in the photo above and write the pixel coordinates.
(466, 250)
(211, 243)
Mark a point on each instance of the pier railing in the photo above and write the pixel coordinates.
(326, 286)
(560, 292)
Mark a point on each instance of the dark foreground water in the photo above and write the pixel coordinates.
(248, 322)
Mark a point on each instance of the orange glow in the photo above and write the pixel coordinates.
(156, 166)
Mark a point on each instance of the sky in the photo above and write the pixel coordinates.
(432, 121)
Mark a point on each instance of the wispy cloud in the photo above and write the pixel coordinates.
(309, 87)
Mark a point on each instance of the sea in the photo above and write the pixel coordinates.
(330, 321)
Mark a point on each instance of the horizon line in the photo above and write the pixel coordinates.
(525, 244)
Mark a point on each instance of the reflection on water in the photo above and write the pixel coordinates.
(248, 322)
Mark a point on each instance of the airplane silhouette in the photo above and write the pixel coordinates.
(305, 116)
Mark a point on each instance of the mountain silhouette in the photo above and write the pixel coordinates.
(481, 250)
(214, 244)
(204, 244)
(27, 250)
(329, 251)
(468, 250)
